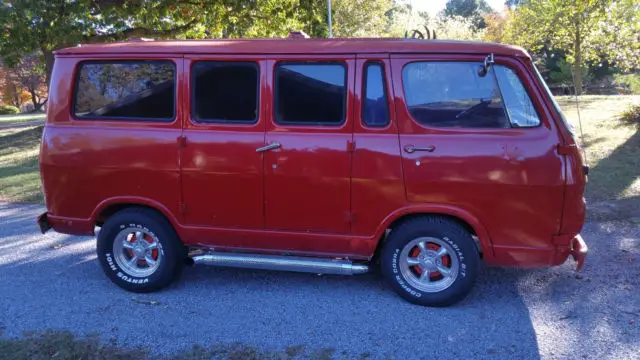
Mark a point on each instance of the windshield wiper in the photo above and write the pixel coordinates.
(474, 107)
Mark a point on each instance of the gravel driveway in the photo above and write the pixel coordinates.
(54, 281)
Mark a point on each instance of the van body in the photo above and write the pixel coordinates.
(327, 156)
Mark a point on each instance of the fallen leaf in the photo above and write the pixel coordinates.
(57, 246)
(145, 302)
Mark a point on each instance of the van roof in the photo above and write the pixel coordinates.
(295, 46)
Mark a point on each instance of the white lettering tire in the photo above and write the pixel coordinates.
(430, 261)
(165, 250)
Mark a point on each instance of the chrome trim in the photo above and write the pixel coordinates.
(275, 145)
(283, 263)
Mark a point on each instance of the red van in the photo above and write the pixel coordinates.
(326, 156)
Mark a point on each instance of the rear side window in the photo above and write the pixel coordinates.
(128, 90)
(225, 91)
(375, 107)
(310, 93)
(452, 94)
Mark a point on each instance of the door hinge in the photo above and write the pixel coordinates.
(183, 207)
(566, 149)
(182, 141)
(351, 146)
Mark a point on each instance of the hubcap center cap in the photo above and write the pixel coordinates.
(139, 250)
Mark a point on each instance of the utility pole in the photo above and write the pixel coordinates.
(330, 27)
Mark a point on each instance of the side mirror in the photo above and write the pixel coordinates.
(488, 61)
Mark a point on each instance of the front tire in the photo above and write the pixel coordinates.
(430, 261)
(139, 250)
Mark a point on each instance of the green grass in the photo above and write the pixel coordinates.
(612, 146)
(19, 171)
(62, 345)
(8, 119)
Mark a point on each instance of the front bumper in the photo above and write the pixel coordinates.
(579, 251)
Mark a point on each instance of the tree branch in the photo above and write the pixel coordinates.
(139, 31)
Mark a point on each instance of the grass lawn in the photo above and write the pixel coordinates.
(8, 119)
(612, 147)
(62, 345)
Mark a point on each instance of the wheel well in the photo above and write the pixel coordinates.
(110, 210)
(408, 217)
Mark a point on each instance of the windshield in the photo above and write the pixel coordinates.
(553, 100)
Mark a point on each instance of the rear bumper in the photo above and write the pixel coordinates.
(64, 225)
(43, 223)
(579, 250)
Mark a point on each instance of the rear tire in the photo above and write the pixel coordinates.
(430, 261)
(139, 250)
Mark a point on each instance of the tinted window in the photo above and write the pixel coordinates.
(312, 93)
(224, 91)
(452, 94)
(521, 111)
(375, 107)
(138, 90)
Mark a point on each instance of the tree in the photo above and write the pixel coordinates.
(360, 18)
(402, 18)
(457, 28)
(28, 74)
(495, 30)
(471, 9)
(48, 25)
(589, 30)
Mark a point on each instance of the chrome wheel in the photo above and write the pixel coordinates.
(137, 252)
(429, 264)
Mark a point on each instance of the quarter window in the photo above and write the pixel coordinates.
(225, 91)
(375, 107)
(129, 90)
(453, 94)
(521, 111)
(310, 93)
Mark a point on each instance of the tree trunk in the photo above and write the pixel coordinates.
(577, 63)
(48, 63)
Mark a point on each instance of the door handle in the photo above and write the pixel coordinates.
(411, 149)
(275, 145)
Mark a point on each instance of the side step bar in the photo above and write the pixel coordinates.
(283, 263)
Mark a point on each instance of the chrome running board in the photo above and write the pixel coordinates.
(282, 263)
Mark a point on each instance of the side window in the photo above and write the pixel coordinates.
(453, 94)
(310, 93)
(521, 111)
(128, 90)
(225, 91)
(375, 106)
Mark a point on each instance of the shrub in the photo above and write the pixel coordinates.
(631, 115)
(628, 83)
(9, 110)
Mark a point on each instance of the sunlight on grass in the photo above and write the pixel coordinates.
(612, 147)
(19, 171)
(21, 117)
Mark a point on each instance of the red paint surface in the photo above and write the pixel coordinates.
(328, 191)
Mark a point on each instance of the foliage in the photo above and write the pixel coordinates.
(28, 75)
(563, 74)
(588, 29)
(631, 114)
(9, 110)
(360, 18)
(628, 81)
(402, 18)
(469, 9)
(457, 28)
(495, 26)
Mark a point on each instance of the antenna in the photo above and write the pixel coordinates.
(575, 91)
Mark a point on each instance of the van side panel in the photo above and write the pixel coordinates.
(511, 179)
(84, 162)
